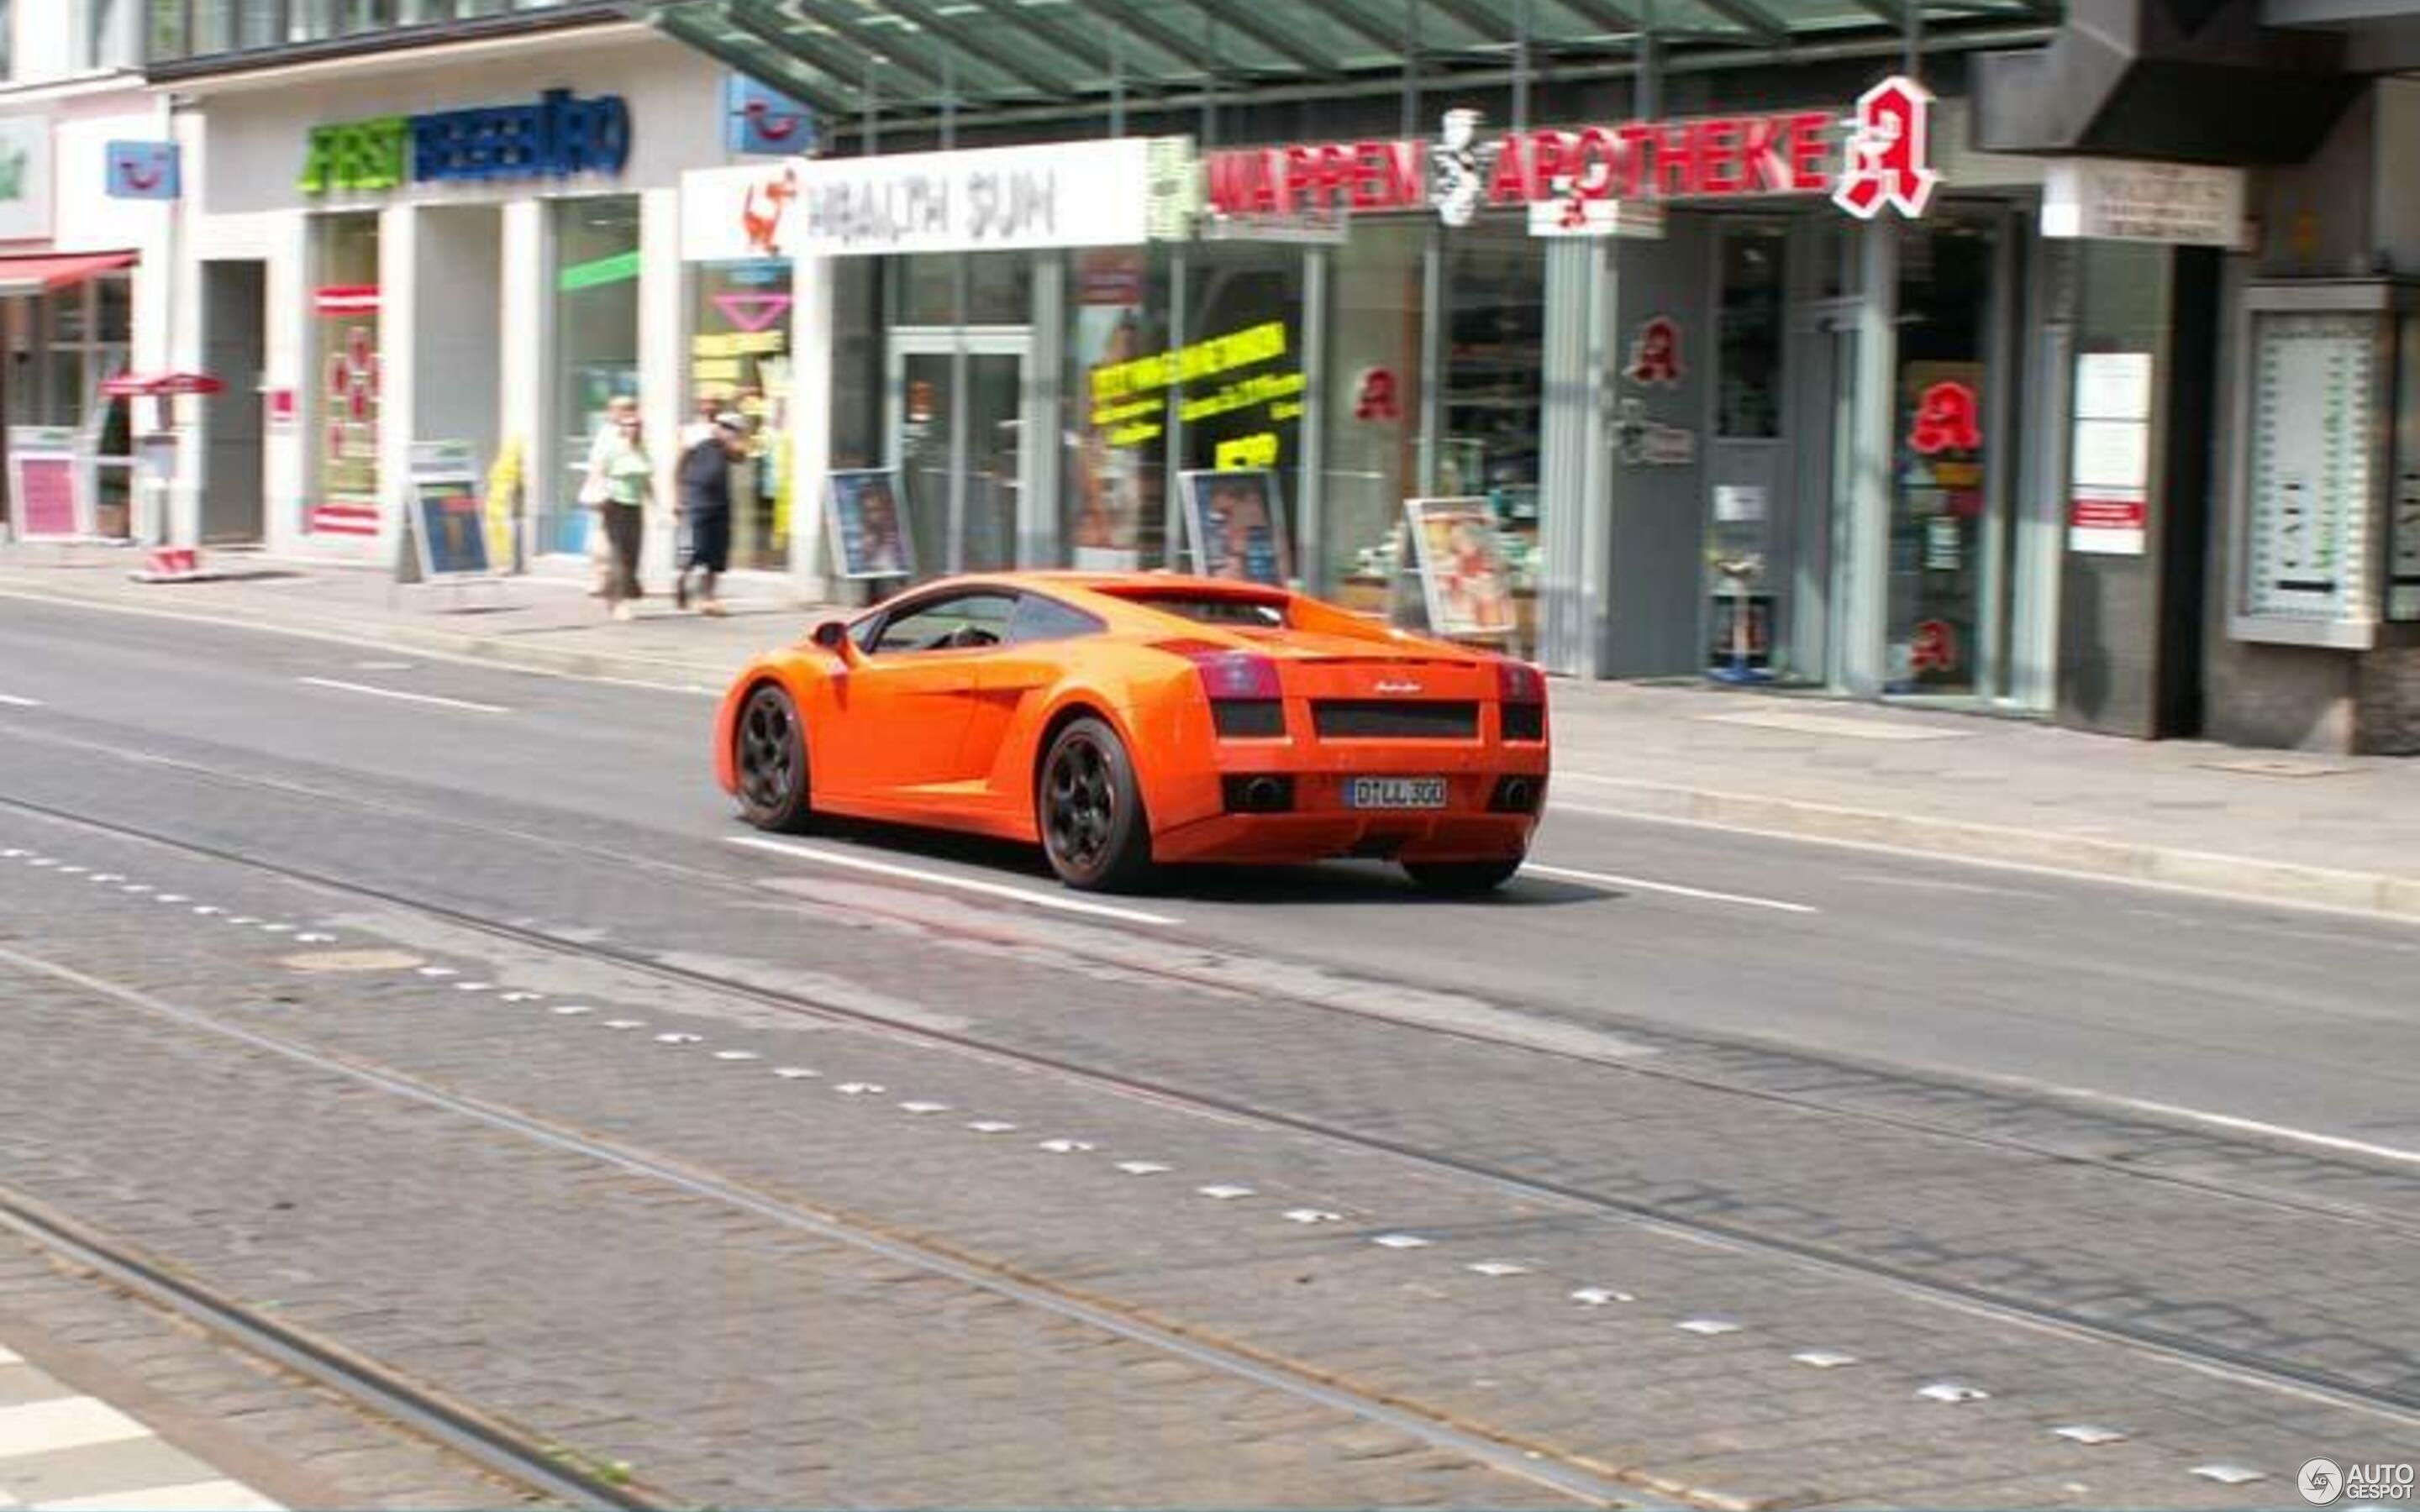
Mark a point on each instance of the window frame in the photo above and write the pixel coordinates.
(872, 644)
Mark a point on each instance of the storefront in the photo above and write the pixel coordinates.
(480, 250)
(1740, 391)
(82, 247)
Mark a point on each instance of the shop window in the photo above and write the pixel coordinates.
(1494, 389)
(596, 347)
(1374, 391)
(1748, 400)
(1240, 386)
(998, 288)
(1941, 491)
(1116, 469)
(855, 438)
(348, 373)
(739, 361)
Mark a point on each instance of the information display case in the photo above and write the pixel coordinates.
(2325, 514)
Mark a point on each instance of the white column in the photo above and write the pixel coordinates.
(399, 227)
(287, 363)
(663, 334)
(521, 349)
(811, 413)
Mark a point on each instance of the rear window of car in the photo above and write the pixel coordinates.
(1225, 609)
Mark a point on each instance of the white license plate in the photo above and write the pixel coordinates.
(1395, 792)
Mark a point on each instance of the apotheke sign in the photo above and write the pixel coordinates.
(1104, 193)
(1874, 158)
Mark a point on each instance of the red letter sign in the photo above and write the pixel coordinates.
(1655, 354)
(1377, 398)
(1947, 419)
(1887, 152)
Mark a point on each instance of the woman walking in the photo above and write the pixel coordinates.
(628, 474)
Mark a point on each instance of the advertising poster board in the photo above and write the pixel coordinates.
(449, 524)
(1461, 567)
(1236, 526)
(870, 536)
(42, 481)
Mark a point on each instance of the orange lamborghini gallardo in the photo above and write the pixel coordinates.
(1122, 720)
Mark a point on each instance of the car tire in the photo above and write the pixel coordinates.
(1088, 808)
(1462, 878)
(770, 758)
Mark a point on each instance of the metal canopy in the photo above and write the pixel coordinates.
(853, 59)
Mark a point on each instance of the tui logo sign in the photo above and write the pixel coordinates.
(144, 170)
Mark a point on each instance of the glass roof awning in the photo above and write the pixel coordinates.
(889, 59)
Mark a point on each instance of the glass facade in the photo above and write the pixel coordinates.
(193, 30)
(595, 352)
(61, 347)
(741, 362)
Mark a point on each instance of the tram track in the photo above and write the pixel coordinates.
(2247, 1366)
(1071, 944)
(541, 1469)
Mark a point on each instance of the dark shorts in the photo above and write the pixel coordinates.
(709, 540)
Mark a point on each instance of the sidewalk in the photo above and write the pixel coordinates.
(2343, 832)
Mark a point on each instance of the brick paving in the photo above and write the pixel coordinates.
(1618, 1384)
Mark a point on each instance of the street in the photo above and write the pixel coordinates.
(447, 1014)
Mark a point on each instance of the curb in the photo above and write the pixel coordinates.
(456, 645)
(2383, 895)
(2378, 893)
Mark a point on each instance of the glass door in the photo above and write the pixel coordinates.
(1945, 507)
(956, 438)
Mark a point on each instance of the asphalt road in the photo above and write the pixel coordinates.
(2292, 1019)
(470, 962)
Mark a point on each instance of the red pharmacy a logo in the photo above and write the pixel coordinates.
(1947, 419)
(1655, 354)
(1888, 152)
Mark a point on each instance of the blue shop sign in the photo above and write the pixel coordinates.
(557, 137)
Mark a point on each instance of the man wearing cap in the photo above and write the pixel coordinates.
(706, 508)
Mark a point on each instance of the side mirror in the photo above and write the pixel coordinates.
(832, 636)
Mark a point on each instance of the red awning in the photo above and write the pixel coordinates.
(159, 385)
(39, 275)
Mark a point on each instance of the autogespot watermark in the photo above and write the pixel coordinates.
(2323, 1482)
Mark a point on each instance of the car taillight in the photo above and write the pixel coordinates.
(1521, 689)
(1246, 698)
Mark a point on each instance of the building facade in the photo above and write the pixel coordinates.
(85, 261)
(1959, 355)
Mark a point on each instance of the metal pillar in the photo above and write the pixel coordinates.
(1864, 562)
(1575, 529)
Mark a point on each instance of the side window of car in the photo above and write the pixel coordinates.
(1045, 618)
(958, 622)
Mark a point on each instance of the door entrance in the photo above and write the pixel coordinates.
(235, 315)
(955, 400)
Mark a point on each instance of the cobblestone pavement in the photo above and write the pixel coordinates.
(166, 1417)
(736, 1363)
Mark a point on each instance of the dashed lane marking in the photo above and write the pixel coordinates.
(14, 702)
(407, 697)
(1607, 879)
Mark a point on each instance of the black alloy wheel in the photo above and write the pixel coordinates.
(1089, 810)
(772, 762)
(1464, 877)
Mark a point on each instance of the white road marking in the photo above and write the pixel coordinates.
(943, 879)
(198, 1496)
(2226, 1121)
(1607, 879)
(407, 697)
(63, 1423)
(13, 702)
(1876, 879)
